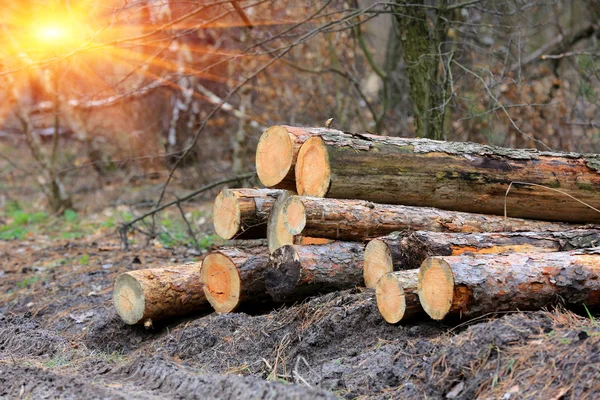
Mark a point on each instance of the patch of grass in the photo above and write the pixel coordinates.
(28, 281)
(20, 222)
(56, 361)
(175, 233)
(84, 259)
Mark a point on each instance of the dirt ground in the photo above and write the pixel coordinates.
(61, 338)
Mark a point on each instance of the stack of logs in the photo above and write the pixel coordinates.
(442, 228)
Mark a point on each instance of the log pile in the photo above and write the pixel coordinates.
(436, 228)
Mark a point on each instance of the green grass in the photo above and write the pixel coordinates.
(28, 281)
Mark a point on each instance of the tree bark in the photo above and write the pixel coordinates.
(453, 176)
(277, 235)
(277, 151)
(243, 213)
(397, 298)
(143, 296)
(358, 220)
(296, 272)
(233, 276)
(468, 286)
(407, 250)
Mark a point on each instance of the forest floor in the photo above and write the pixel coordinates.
(61, 338)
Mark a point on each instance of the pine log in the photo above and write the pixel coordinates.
(397, 298)
(277, 235)
(277, 151)
(472, 285)
(243, 213)
(232, 276)
(147, 295)
(407, 250)
(295, 272)
(358, 220)
(453, 176)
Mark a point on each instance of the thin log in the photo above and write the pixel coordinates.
(277, 151)
(471, 285)
(147, 295)
(277, 235)
(397, 298)
(453, 176)
(243, 213)
(232, 276)
(358, 220)
(295, 272)
(407, 250)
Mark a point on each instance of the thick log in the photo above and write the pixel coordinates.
(243, 213)
(147, 295)
(397, 298)
(407, 250)
(452, 176)
(277, 151)
(471, 285)
(232, 276)
(295, 272)
(357, 220)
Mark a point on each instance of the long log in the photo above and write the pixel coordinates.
(357, 220)
(471, 285)
(397, 298)
(277, 151)
(407, 250)
(295, 272)
(232, 276)
(453, 176)
(147, 295)
(243, 213)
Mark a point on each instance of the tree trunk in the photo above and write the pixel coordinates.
(358, 220)
(399, 251)
(454, 176)
(277, 235)
(233, 276)
(397, 298)
(143, 296)
(243, 213)
(296, 272)
(277, 151)
(468, 286)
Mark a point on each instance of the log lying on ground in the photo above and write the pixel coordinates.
(296, 272)
(147, 295)
(397, 298)
(472, 285)
(357, 220)
(407, 250)
(243, 213)
(277, 151)
(453, 176)
(232, 276)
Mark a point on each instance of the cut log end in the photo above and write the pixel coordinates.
(129, 300)
(221, 282)
(313, 173)
(391, 300)
(277, 234)
(294, 215)
(226, 215)
(436, 287)
(274, 156)
(378, 262)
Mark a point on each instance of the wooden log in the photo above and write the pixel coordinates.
(407, 250)
(471, 285)
(453, 176)
(232, 276)
(397, 298)
(243, 213)
(277, 151)
(357, 220)
(147, 295)
(295, 272)
(277, 235)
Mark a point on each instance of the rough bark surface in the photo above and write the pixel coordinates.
(472, 285)
(295, 272)
(243, 213)
(162, 293)
(277, 235)
(240, 280)
(397, 297)
(358, 220)
(455, 176)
